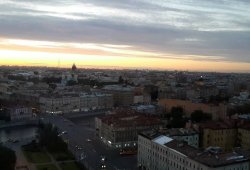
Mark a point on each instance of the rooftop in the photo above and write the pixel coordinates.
(118, 88)
(217, 125)
(207, 157)
(162, 140)
(129, 118)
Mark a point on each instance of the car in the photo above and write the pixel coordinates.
(103, 159)
(83, 156)
(79, 148)
(88, 140)
(64, 132)
(103, 166)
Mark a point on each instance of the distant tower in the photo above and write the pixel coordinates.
(74, 67)
(70, 75)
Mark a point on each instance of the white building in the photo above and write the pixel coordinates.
(158, 152)
(59, 104)
(92, 101)
(20, 113)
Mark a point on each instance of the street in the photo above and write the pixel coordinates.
(80, 135)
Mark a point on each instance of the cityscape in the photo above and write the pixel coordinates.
(124, 85)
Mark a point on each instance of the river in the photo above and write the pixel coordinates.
(17, 133)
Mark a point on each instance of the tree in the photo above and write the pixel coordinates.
(121, 81)
(48, 138)
(177, 117)
(52, 86)
(240, 109)
(7, 158)
(200, 116)
(50, 80)
(71, 83)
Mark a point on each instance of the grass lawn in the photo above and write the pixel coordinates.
(37, 157)
(62, 156)
(47, 167)
(69, 166)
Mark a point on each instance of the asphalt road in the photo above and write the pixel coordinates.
(78, 133)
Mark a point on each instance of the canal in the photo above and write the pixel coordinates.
(17, 133)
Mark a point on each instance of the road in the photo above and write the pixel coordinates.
(91, 151)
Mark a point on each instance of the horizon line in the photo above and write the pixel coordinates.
(126, 68)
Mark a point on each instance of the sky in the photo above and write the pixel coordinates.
(193, 35)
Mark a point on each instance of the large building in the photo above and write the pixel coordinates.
(159, 152)
(59, 104)
(217, 112)
(17, 113)
(67, 103)
(219, 134)
(244, 135)
(92, 101)
(120, 129)
(122, 95)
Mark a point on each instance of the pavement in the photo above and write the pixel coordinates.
(21, 159)
(90, 152)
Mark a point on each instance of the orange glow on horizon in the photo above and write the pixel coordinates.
(38, 53)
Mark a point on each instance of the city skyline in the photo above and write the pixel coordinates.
(174, 35)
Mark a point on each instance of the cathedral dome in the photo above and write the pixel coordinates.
(74, 67)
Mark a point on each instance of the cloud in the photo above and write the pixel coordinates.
(188, 28)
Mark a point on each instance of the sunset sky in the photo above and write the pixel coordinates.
(199, 35)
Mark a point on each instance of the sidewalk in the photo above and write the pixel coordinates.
(21, 161)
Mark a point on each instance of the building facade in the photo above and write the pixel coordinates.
(158, 152)
(20, 113)
(218, 134)
(217, 112)
(120, 130)
(59, 104)
(122, 95)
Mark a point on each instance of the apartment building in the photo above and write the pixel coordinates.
(217, 112)
(159, 152)
(92, 101)
(244, 135)
(122, 95)
(120, 129)
(59, 104)
(219, 134)
(17, 113)
(73, 102)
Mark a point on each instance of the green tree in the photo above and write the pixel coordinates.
(48, 138)
(7, 158)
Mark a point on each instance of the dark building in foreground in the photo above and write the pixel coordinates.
(159, 152)
(120, 129)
